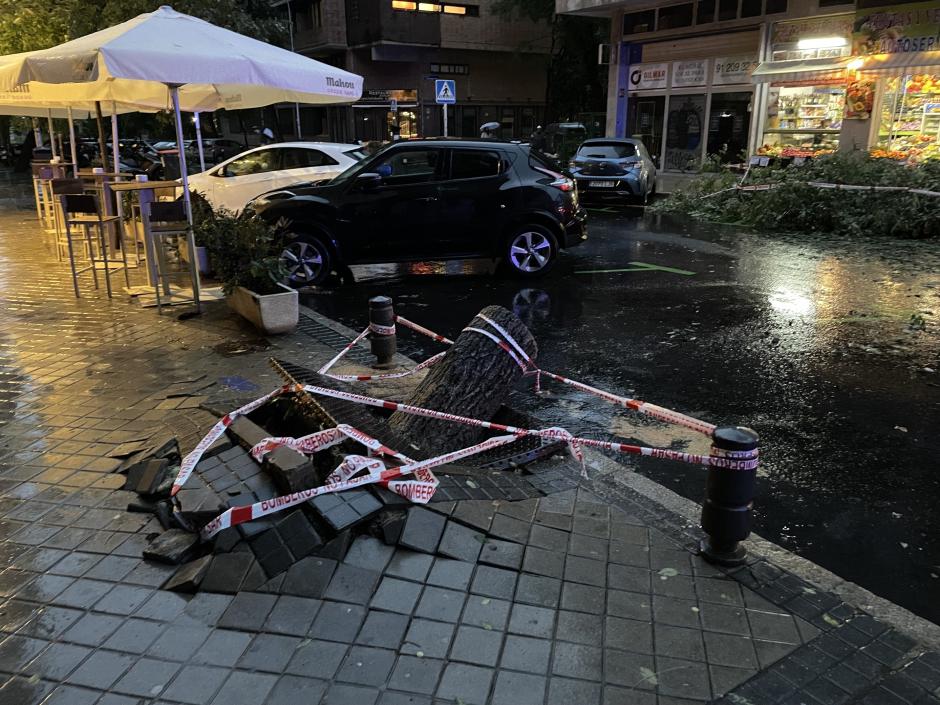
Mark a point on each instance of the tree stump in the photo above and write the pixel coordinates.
(474, 379)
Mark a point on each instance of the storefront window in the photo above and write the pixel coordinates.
(804, 118)
(705, 12)
(637, 22)
(674, 16)
(684, 128)
(728, 125)
(751, 8)
(910, 116)
(727, 9)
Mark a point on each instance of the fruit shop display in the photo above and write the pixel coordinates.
(910, 120)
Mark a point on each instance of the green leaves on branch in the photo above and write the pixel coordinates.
(26, 25)
(792, 205)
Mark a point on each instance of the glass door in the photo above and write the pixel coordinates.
(728, 125)
(645, 122)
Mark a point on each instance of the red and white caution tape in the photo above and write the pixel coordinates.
(379, 329)
(742, 460)
(419, 492)
(194, 456)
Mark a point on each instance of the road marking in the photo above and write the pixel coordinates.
(638, 267)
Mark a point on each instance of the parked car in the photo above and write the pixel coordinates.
(236, 181)
(618, 167)
(435, 199)
(216, 149)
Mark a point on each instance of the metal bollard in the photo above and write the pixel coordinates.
(727, 513)
(382, 339)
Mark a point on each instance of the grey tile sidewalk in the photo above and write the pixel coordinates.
(589, 596)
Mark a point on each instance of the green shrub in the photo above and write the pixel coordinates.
(244, 250)
(795, 206)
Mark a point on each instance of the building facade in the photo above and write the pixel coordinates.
(400, 47)
(728, 79)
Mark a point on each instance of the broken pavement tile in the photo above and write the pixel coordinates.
(298, 534)
(188, 577)
(254, 578)
(291, 470)
(144, 477)
(460, 542)
(308, 577)
(227, 571)
(247, 433)
(422, 531)
(390, 525)
(173, 547)
(341, 510)
(337, 548)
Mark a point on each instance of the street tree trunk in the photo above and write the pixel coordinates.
(474, 379)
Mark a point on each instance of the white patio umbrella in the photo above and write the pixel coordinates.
(165, 58)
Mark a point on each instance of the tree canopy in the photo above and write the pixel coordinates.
(26, 25)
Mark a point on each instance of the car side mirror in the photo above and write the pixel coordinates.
(368, 180)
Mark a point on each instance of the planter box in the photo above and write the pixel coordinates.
(272, 313)
(202, 256)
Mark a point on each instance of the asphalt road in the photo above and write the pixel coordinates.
(827, 348)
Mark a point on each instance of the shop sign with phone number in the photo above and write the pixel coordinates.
(735, 69)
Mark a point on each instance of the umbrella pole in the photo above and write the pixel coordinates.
(51, 134)
(184, 177)
(72, 143)
(202, 156)
(101, 145)
(118, 200)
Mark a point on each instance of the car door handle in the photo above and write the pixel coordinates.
(448, 189)
(426, 199)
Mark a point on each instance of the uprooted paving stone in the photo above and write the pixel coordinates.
(268, 553)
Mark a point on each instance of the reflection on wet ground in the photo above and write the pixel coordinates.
(827, 347)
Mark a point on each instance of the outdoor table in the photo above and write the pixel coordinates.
(144, 191)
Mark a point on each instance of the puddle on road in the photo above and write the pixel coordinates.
(234, 348)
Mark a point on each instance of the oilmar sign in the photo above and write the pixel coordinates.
(897, 29)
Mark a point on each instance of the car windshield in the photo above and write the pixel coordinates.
(356, 154)
(607, 150)
(357, 168)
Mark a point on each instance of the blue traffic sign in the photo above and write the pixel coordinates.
(445, 91)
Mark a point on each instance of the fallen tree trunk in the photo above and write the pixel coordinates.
(474, 379)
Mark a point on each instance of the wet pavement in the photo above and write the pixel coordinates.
(827, 347)
(583, 597)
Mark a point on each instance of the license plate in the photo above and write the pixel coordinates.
(602, 184)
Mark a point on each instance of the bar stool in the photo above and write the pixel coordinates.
(61, 187)
(167, 221)
(83, 210)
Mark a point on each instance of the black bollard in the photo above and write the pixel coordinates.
(727, 513)
(382, 339)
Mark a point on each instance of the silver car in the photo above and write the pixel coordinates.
(614, 166)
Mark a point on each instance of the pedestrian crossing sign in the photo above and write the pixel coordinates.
(445, 91)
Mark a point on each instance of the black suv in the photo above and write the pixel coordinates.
(431, 199)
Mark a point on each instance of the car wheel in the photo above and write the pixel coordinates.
(531, 250)
(307, 260)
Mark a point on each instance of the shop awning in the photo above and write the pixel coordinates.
(910, 62)
(801, 70)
